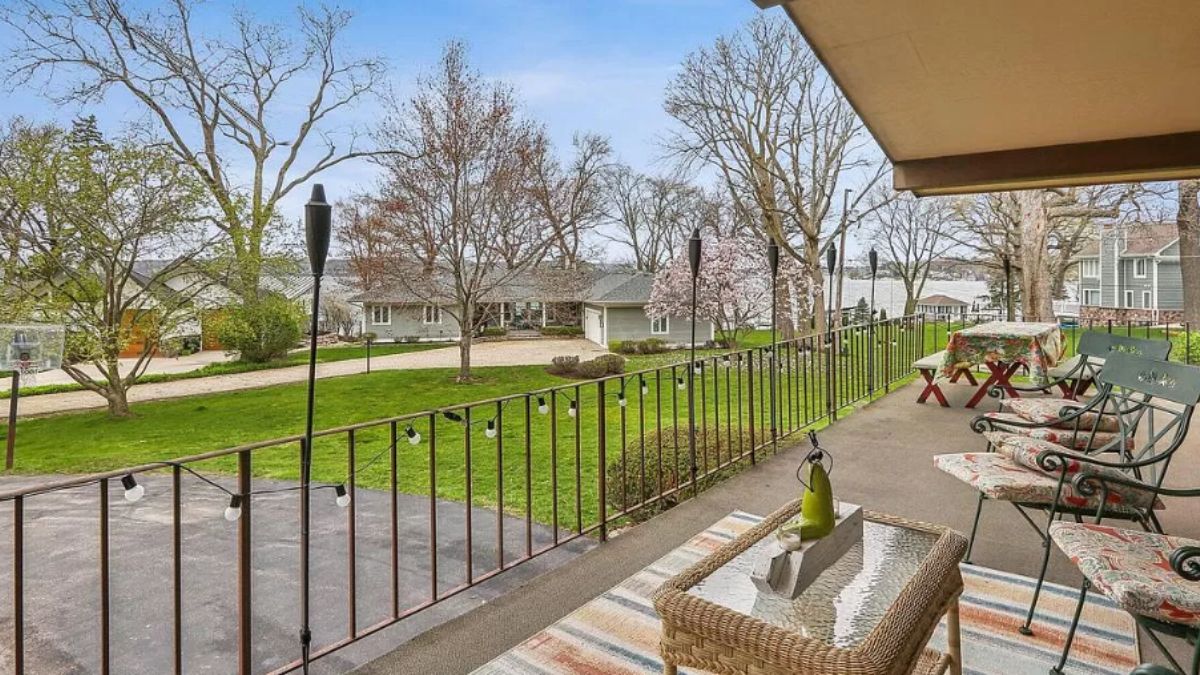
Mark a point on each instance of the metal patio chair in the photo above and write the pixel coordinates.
(1153, 576)
(1033, 474)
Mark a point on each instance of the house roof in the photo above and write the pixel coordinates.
(979, 96)
(596, 285)
(1148, 239)
(943, 300)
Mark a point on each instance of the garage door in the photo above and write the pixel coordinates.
(593, 326)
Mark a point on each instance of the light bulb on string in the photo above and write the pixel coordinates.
(490, 430)
(542, 407)
(645, 388)
(133, 491)
(698, 368)
(621, 399)
(234, 510)
(343, 497)
(413, 436)
(452, 416)
(574, 409)
(725, 361)
(680, 383)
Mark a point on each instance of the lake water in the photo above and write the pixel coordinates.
(889, 293)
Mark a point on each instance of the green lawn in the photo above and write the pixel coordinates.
(90, 441)
(324, 355)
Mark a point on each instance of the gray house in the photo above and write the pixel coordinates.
(614, 309)
(608, 305)
(1132, 273)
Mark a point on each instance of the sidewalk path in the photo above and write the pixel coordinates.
(503, 353)
(161, 364)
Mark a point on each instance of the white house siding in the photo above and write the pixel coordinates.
(632, 323)
(407, 324)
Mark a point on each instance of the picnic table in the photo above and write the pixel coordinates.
(1004, 347)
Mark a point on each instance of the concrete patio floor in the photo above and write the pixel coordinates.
(883, 461)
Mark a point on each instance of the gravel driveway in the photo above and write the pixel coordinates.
(499, 353)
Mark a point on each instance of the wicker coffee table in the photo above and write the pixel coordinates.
(871, 612)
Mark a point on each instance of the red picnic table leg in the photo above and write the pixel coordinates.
(1000, 375)
(931, 388)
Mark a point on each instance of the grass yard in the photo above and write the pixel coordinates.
(566, 462)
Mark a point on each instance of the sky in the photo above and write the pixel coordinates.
(579, 65)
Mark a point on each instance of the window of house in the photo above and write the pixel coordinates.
(660, 326)
(1089, 268)
(1129, 298)
(381, 315)
(1091, 296)
(1139, 268)
(432, 314)
(1147, 301)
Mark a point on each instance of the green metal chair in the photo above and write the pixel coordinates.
(1155, 577)
(1033, 474)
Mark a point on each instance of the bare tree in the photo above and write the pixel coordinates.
(757, 107)
(365, 239)
(459, 192)
(912, 233)
(569, 200)
(215, 100)
(649, 215)
(93, 213)
(1187, 220)
(1043, 230)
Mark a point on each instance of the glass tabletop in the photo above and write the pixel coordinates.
(845, 603)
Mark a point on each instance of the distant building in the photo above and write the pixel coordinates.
(941, 306)
(1132, 273)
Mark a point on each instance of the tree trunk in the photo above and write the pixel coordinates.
(115, 393)
(1037, 301)
(1187, 220)
(812, 262)
(466, 337)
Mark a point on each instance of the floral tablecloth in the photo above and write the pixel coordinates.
(1037, 345)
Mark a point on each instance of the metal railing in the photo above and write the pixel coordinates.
(465, 493)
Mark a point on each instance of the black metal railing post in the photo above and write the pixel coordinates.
(245, 567)
(601, 442)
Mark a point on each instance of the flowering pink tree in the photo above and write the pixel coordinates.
(733, 289)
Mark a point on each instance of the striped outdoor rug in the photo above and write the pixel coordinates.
(618, 632)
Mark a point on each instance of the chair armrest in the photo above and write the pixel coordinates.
(1152, 669)
(1185, 560)
(1089, 484)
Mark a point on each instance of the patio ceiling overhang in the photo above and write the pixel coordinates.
(980, 96)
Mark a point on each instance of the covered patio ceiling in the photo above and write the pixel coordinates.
(981, 96)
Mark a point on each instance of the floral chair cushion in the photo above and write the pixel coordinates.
(1046, 411)
(1002, 479)
(1024, 451)
(1081, 439)
(1132, 568)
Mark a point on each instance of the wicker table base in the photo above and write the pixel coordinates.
(700, 633)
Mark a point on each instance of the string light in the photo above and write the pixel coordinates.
(542, 407)
(645, 388)
(698, 368)
(452, 416)
(234, 510)
(725, 361)
(343, 497)
(490, 430)
(413, 436)
(679, 383)
(133, 491)
(574, 409)
(621, 399)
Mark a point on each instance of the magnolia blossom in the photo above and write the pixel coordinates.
(733, 289)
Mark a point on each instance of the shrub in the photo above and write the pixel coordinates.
(623, 346)
(562, 330)
(613, 364)
(624, 485)
(647, 346)
(493, 331)
(262, 330)
(563, 365)
(652, 346)
(1184, 350)
(592, 369)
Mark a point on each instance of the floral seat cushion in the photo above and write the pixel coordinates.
(1002, 479)
(1024, 451)
(1132, 568)
(1047, 411)
(1077, 439)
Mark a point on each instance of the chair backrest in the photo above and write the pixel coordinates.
(1160, 393)
(1097, 344)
